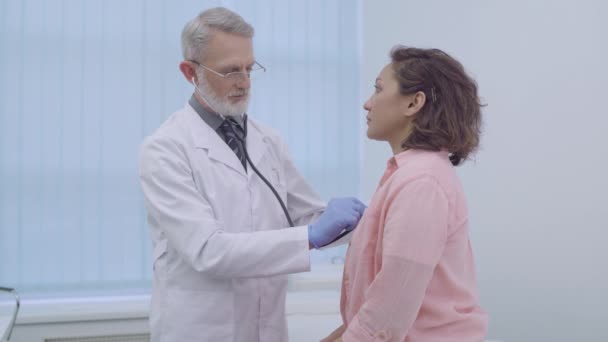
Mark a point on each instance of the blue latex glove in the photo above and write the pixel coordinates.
(340, 214)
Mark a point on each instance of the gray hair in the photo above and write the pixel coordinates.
(198, 32)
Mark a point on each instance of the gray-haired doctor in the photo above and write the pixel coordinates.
(230, 215)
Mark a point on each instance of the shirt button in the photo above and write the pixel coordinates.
(382, 336)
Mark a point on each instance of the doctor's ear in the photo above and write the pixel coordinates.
(188, 71)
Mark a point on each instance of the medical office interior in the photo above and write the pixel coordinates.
(82, 82)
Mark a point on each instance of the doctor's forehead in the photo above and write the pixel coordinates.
(236, 63)
(229, 48)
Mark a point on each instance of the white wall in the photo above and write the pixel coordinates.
(539, 182)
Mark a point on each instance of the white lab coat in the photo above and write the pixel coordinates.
(221, 256)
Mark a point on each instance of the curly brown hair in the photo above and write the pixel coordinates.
(451, 116)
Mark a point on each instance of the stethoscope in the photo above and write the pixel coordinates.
(242, 140)
(274, 191)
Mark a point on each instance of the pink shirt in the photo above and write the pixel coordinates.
(409, 273)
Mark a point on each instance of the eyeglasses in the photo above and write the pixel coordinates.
(235, 76)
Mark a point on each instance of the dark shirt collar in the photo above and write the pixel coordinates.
(212, 119)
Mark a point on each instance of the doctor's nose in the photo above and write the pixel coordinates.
(244, 82)
(247, 82)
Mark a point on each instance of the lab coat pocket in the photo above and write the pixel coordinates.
(208, 315)
(160, 250)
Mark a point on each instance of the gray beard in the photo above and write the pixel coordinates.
(219, 105)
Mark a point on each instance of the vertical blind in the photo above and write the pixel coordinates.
(82, 82)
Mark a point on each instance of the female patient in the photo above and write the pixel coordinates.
(409, 273)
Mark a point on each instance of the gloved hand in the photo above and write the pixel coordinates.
(340, 214)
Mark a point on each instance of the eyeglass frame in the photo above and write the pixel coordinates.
(241, 74)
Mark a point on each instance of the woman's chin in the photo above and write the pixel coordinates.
(371, 135)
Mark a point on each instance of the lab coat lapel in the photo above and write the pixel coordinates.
(206, 138)
(256, 147)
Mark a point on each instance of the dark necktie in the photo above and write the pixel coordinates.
(230, 128)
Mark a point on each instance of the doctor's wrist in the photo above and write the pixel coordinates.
(311, 242)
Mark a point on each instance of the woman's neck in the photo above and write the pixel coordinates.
(397, 142)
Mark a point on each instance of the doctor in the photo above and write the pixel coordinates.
(222, 242)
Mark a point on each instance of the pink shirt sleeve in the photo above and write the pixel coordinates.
(415, 234)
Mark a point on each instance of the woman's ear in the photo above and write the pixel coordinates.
(415, 103)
